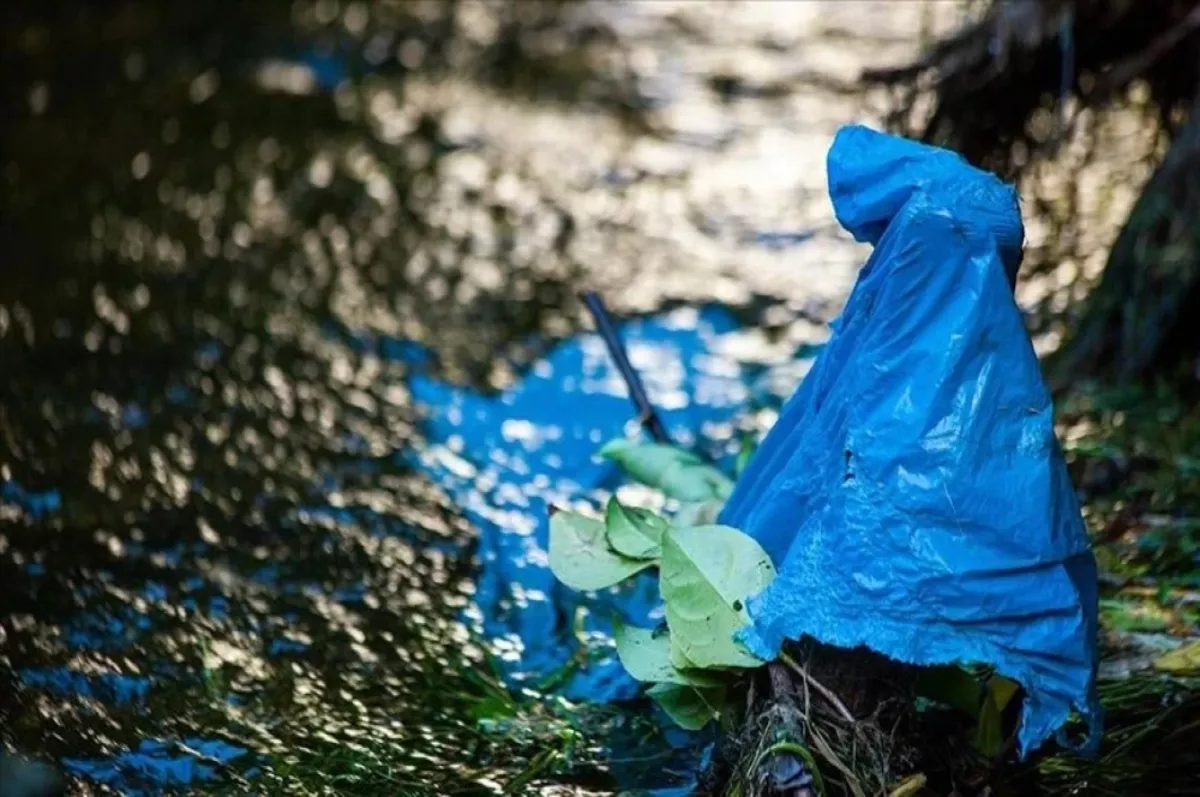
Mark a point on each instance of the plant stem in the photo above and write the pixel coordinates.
(820, 687)
(637, 392)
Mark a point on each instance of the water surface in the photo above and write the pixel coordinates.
(235, 234)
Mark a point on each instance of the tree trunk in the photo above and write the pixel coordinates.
(992, 79)
(1137, 318)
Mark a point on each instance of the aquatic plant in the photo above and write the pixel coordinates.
(699, 673)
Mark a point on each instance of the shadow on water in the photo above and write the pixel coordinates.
(234, 234)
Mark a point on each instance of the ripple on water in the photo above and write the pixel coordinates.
(282, 406)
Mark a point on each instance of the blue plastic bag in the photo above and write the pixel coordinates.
(912, 492)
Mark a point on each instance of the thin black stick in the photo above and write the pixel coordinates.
(637, 393)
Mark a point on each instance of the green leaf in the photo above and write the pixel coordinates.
(1001, 691)
(678, 660)
(646, 654)
(952, 686)
(646, 462)
(703, 513)
(696, 483)
(580, 556)
(706, 575)
(1134, 615)
(1180, 661)
(749, 446)
(690, 707)
(632, 531)
(989, 733)
(678, 473)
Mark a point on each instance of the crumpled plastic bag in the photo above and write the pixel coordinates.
(912, 492)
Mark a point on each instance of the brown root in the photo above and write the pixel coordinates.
(821, 721)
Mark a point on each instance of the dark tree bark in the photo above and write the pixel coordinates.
(998, 87)
(1142, 317)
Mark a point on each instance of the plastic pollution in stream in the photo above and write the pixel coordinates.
(912, 492)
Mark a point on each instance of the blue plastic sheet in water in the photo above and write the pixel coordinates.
(912, 492)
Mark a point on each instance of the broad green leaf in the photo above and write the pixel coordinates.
(706, 575)
(678, 660)
(690, 707)
(632, 531)
(696, 483)
(989, 733)
(678, 473)
(646, 462)
(703, 513)
(952, 686)
(646, 654)
(580, 556)
(1001, 691)
(1180, 661)
(989, 736)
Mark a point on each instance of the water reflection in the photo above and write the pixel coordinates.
(232, 545)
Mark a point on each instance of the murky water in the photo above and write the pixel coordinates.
(235, 232)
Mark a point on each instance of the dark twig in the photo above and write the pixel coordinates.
(637, 393)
